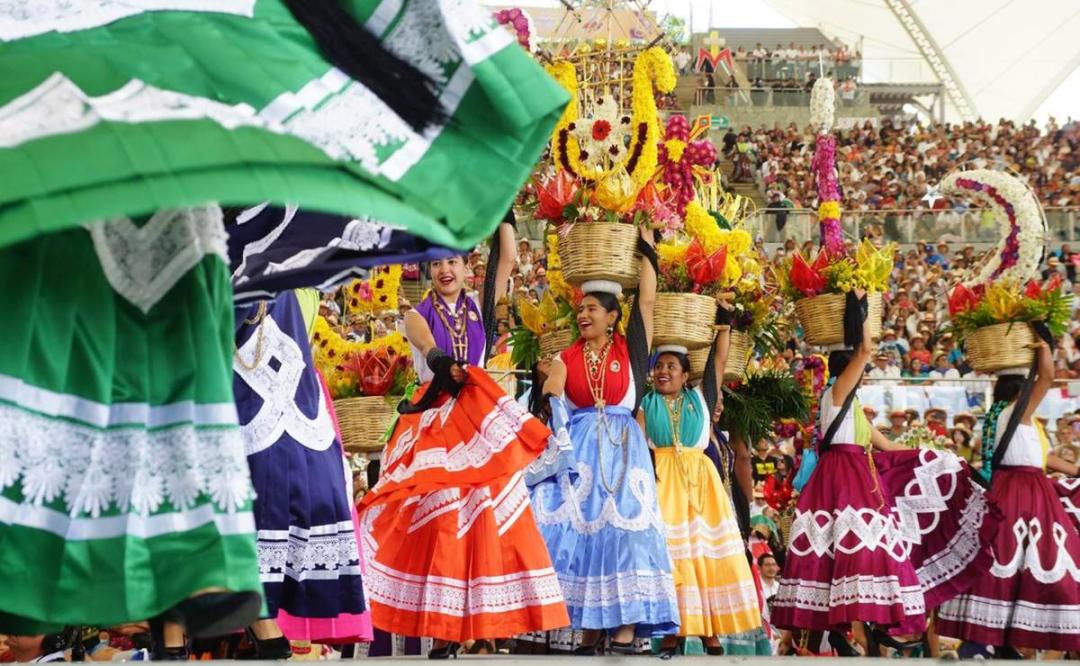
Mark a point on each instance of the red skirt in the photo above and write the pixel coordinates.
(453, 550)
(882, 547)
(1031, 597)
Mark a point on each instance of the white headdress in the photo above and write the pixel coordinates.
(667, 349)
(605, 286)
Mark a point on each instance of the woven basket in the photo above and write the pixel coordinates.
(412, 290)
(363, 422)
(739, 349)
(787, 517)
(553, 343)
(600, 251)
(684, 319)
(698, 359)
(822, 317)
(1001, 346)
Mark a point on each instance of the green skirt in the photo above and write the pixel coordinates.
(123, 482)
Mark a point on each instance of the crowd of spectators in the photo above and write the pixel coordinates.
(893, 166)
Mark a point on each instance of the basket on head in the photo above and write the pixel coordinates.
(739, 349)
(363, 421)
(684, 319)
(698, 358)
(822, 317)
(552, 344)
(1000, 346)
(600, 251)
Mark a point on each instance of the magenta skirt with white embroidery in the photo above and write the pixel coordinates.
(882, 545)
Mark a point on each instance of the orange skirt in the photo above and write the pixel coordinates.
(453, 548)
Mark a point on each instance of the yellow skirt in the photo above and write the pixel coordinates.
(713, 582)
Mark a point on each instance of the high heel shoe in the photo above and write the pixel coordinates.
(478, 645)
(270, 649)
(883, 638)
(445, 652)
(215, 613)
(714, 650)
(590, 650)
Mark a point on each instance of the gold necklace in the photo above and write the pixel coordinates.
(260, 319)
(674, 410)
(596, 372)
(459, 335)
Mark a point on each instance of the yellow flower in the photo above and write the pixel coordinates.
(1004, 300)
(675, 149)
(829, 210)
(737, 241)
(672, 252)
(702, 226)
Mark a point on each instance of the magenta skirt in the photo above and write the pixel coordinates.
(884, 546)
(1031, 596)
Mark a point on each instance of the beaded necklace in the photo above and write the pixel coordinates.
(596, 377)
(674, 408)
(458, 331)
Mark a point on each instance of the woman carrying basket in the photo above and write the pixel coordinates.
(454, 551)
(881, 533)
(595, 497)
(713, 583)
(1031, 595)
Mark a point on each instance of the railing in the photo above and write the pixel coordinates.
(768, 96)
(774, 68)
(905, 226)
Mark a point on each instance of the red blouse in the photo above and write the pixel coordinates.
(617, 373)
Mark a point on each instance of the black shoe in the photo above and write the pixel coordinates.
(842, 647)
(882, 638)
(487, 646)
(618, 647)
(590, 650)
(215, 613)
(714, 650)
(1006, 652)
(270, 649)
(445, 652)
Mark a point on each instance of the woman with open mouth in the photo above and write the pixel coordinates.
(595, 497)
(713, 582)
(454, 550)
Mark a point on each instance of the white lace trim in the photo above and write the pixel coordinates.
(737, 597)
(962, 549)
(821, 533)
(100, 415)
(1026, 554)
(26, 18)
(462, 598)
(498, 429)
(132, 469)
(143, 263)
(506, 507)
(279, 414)
(922, 496)
(639, 482)
(625, 587)
(813, 595)
(1022, 615)
(1070, 507)
(324, 552)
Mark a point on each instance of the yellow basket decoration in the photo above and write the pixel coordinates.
(684, 319)
(739, 349)
(822, 317)
(600, 251)
(1001, 346)
(363, 421)
(553, 343)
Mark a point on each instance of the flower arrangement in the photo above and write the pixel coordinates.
(921, 437)
(705, 259)
(521, 24)
(684, 160)
(1006, 301)
(752, 405)
(614, 155)
(869, 269)
(377, 293)
(380, 367)
(822, 111)
(823, 105)
(1020, 219)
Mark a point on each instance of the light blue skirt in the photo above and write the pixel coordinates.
(594, 498)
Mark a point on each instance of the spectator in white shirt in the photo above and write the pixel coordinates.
(884, 368)
(943, 369)
(770, 573)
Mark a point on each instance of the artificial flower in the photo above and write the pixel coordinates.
(553, 194)
(705, 267)
(962, 299)
(702, 226)
(829, 210)
(807, 278)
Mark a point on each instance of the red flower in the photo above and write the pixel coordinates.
(962, 299)
(1032, 290)
(553, 194)
(1053, 284)
(600, 130)
(705, 269)
(808, 278)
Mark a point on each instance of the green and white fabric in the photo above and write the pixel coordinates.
(126, 107)
(124, 486)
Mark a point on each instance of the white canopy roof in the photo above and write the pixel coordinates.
(1007, 56)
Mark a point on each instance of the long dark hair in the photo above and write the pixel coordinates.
(1008, 387)
(350, 47)
(839, 360)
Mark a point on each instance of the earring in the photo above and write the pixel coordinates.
(610, 330)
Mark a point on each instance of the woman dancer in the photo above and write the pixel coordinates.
(454, 549)
(878, 536)
(309, 559)
(596, 504)
(1031, 596)
(713, 582)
